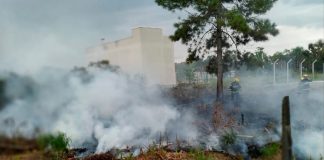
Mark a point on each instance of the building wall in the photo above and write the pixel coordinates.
(147, 52)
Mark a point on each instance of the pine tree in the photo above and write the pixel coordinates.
(213, 25)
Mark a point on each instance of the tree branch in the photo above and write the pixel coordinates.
(232, 40)
(200, 39)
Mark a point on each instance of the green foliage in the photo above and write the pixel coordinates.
(237, 20)
(270, 149)
(259, 59)
(212, 25)
(186, 72)
(129, 157)
(200, 155)
(228, 138)
(231, 60)
(57, 142)
(255, 60)
(317, 49)
(3, 98)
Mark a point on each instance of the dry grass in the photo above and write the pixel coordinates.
(33, 155)
(19, 148)
(152, 153)
(223, 120)
(181, 155)
(102, 156)
(16, 145)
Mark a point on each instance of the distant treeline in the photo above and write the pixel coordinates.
(259, 59)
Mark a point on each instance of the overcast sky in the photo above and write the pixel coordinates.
(38, 33)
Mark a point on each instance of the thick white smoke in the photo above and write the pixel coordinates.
(262, 97)
(115, 110)
(110, 108)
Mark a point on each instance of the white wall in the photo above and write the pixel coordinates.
(147, 52)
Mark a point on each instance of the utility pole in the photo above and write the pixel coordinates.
(301, 68)
(274, 71)
(313, 68)
(288, 69)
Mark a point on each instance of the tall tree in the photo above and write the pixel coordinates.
(212, 25)
(317, 52)
(230, 61)
(256, 60)
(317, 49)
(298, 54)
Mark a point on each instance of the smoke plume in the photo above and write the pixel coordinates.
(107, 108)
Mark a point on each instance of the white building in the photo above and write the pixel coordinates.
(147, 52)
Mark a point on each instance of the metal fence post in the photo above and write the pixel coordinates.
(313, 68)
(274, 71)
(301, 68)
(288, 69)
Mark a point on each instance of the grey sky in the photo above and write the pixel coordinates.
(37, 33)
(300, 22)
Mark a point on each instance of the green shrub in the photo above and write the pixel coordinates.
(228, 138)
(3, 98)
(200, 155)
(57, 142)
(270, 149)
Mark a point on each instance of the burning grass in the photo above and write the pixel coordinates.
(31, 149)
(161, 154)
(181, 155)
(224, 121)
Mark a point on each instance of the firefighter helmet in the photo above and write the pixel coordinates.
(236, 79)
(305, 76)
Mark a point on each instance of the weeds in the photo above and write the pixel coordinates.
(228, 138)
(223, 120)
(200, 155)
(56, 143)
(129, 157)
(270, 149)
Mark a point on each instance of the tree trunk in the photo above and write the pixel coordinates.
(219, 94)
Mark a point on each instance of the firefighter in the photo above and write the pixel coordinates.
(235, 91)
(304, 85)
(305, 78)
(235, 95)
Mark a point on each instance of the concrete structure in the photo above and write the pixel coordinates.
(147, 53)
